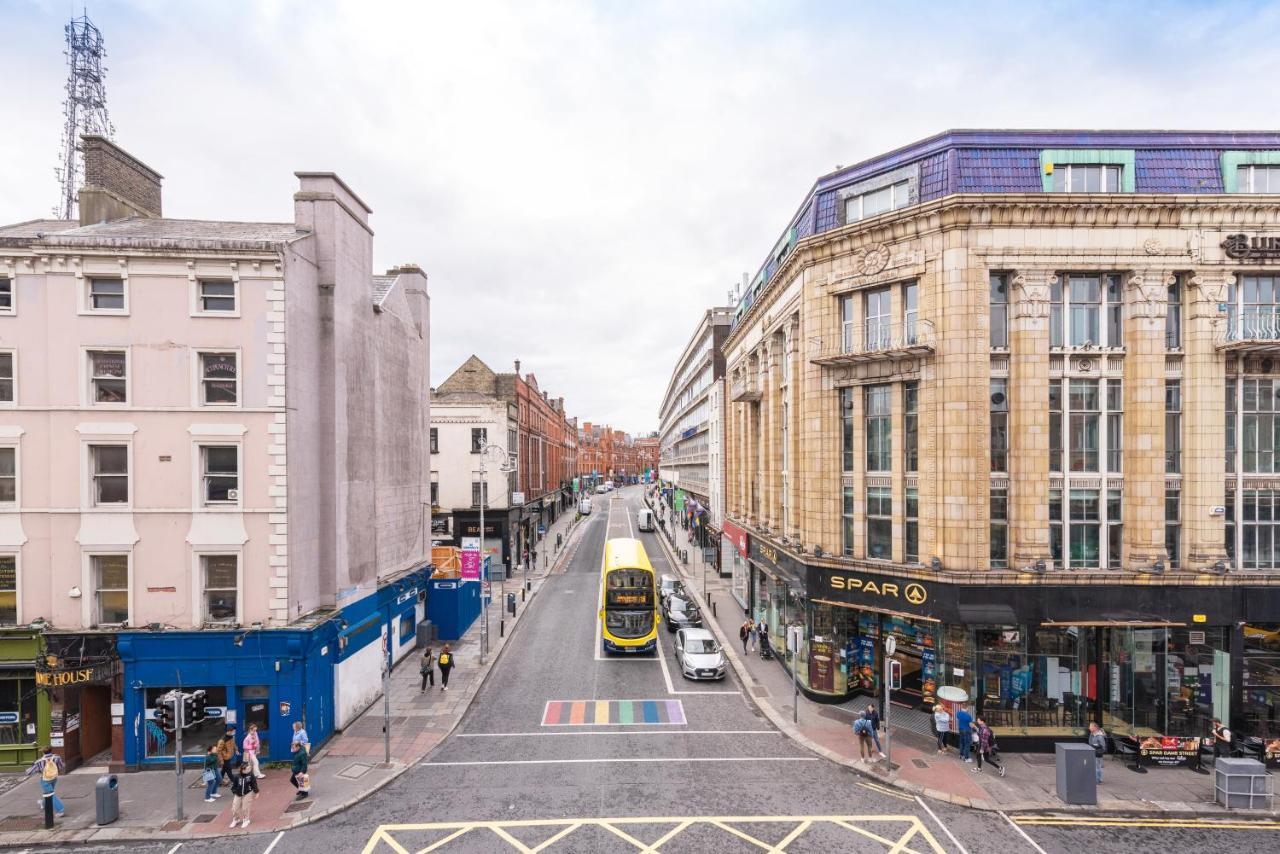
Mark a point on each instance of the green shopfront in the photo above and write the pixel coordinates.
(24, 707)
(1038, 660)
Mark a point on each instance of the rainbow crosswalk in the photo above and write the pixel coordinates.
(613, 712)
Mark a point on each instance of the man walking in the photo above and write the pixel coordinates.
(227, 754)
(873, 714)
(862, 729)
(427, 670)
(50, 767)
(744, 634)
(941, 723)
(299, 737)
(1098, 741)
(964, 728)
(445, 663)
(1221, 740)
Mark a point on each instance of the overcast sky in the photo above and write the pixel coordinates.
(582, 179)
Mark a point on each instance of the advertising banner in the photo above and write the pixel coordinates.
(737, 536)
(822, 674)
(1168, 750)
(928, 675)
(1271, 753)
(471, 558)
(866, 662)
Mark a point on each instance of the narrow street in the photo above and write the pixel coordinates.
(723, 780)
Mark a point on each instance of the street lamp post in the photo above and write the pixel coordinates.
(499, 455)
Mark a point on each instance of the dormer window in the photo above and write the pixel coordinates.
(1086, 178)
(876, 202)
(1258, 179)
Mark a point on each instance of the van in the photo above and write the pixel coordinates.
(644, 519)
(584, 507)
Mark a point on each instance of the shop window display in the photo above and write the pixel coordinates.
(1261, 679)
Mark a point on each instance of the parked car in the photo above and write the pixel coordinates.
(584, 507)
(681, 614)
(644, 520)
(698, 654)
(668, 584)
(601, 489)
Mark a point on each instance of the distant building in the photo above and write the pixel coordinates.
(215, 463)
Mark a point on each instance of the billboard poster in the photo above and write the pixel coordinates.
(822, 674)
(1271, 753)
(866, 662)
(471, 558)
(928, 675)
(1168, 750)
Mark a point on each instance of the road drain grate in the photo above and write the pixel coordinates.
(919, 763)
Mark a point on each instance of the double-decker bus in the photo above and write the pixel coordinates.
(628, 599)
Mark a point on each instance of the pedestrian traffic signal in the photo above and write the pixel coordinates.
(199, 701)
(895, 674)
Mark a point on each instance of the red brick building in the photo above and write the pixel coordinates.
(608, 454)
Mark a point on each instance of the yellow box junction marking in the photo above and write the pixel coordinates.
(913, 830)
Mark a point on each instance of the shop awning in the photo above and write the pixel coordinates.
(891, 613)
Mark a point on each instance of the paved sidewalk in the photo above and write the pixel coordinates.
(1030, 784)
(345, 770)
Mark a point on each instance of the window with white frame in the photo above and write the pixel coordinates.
(877, 319)
(1173, 525)
(108, 376)
(1085, 311)
(479, 438)
(217, 296)
(877, 428)
(1173, 316)
(911, 527)
(435, 440)
(911, 426)
(7, 378)
(879, 523)
(110, 588)
(999, 302)
(220, 474)
(479, 493)
(1253, 308)
(105, 295)
(1258, 179)
(999, 390)
(219, 579)
(6, 295)
(849, 522)
(1086, 178)
(8, 590)
(869, 204)
(846, 428)
(8, 475)
(1078, 427)
(999, 552)
(109, 467)
(1172, 426)
(219, 379)
(1080, 529)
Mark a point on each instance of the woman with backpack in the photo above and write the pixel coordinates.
(862, 729)
(445, 663)
(987, 747)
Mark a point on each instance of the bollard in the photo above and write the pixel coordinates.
(48, 811)
(502, 627)
(713, 607)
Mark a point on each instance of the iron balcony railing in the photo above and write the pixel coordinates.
(876, 339)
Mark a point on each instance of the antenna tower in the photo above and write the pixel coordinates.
(84, 110)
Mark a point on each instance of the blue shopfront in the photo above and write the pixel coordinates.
(268, 677)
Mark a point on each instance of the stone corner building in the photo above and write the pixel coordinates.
(976, 402)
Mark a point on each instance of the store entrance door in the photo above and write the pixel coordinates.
(256, 709)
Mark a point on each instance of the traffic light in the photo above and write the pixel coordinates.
(164, 711)
(895, 674)
(188, 710)
(199, 701)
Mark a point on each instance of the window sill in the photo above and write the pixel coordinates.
(103, 312)
(234, 314)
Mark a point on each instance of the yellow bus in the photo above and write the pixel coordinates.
(628, 599)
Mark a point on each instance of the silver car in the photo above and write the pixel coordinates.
(698, 654)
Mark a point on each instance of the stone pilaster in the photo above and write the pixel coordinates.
(771, 444)
(859, 481)
(1145, 307)
(1029, 416)
(897, 434)
(1203, 421)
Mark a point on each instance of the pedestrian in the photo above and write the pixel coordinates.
(445, 663)
(1098, 741)
(987, 747)
(299, 737)
(210, 774)
(755, 634)
(1221, 740)
(298, 771)
(964, 733)
(744, 633)
(49, 766)
(862, 729)
(252, 744)
(243, 791)
(942, 724)
(873, 714)
(427, 669)
(227, 753)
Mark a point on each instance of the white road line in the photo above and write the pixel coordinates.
(1021, 832)
(179, 845)
(938, 821)
(617, 732)
(274, 842)
(662, 659)
(634, 759)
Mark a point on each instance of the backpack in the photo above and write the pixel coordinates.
(446, 659)
(49, 771)
(862, 726)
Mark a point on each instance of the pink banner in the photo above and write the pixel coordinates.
(471, 564)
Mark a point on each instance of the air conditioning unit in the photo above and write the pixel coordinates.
(233, 495)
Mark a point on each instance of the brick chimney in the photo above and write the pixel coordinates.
(117, 185)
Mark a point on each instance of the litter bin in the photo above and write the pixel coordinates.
(1077, 773)
(107, 795)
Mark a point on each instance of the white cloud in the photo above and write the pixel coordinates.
(582, 179)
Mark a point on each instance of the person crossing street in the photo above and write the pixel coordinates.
(49, 767)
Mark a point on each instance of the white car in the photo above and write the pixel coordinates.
(584, 507)
(698, 654)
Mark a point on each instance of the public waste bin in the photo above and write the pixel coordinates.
(107, 796)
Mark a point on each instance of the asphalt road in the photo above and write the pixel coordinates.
(505, 782)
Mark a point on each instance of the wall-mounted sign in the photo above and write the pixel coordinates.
(72, 676)
(8, 717)
(1257, 247)
(285, 708)
(517, 498)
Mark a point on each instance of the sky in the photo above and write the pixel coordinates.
(581, 180)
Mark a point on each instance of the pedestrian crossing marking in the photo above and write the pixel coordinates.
(879, 828)
(614, 712)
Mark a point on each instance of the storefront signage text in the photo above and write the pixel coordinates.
(737, 536)
(1242, 247)
(913, 592)
(58, 678)
(1168, 750)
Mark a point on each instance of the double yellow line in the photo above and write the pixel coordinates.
(1179, 823)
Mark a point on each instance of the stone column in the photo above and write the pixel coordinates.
(1145, 307)
(1204, 421)
(859, 482)
(771, 440)
(791, 349)
(1029, 417)
(898, 493)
